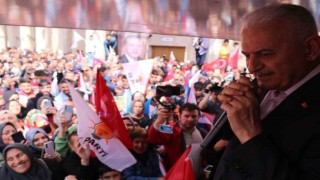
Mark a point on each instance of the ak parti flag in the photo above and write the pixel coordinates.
(138, 74)
(182, 169)
(109, 113)
(100, 137)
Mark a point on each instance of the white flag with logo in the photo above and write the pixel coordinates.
(92, 131)
(138, 74)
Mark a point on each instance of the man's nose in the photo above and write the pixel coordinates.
(253, 63)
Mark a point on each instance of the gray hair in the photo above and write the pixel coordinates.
(298, 18)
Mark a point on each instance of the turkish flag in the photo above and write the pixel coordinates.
(182, 169)
(217, 64)
(170, 74)
(108, 112)
(234, 58)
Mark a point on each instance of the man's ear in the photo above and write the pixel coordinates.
(313, 48)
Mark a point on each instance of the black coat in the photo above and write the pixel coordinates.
(288, 147)
(72, 166)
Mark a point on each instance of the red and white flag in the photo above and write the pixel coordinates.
(220, 64)
(170, 74)
(204, 119)
(100, 137)
(108, 111)
(234, 58)
(138, 74)
(188, 165)
(191, 96)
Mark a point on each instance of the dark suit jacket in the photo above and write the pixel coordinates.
(124, 59)
(288, 147)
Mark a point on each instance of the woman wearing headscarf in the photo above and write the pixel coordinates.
(37, 137)
(20, 164)
(6, 130)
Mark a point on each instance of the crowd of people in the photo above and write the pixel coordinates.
(35, 97)
(262, 143)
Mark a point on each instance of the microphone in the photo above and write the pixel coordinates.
(222, 124)
(215, 133)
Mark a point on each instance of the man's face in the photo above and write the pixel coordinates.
(111, 175)
(153, 79)
(64, 88)
(74, 142)
(214, 96)
(189, 119)
(8, 117)
(274, 56)
(125, 83)
(45, 89)
(108, 37)
(69, 76)
(140, 145)
(133, 47)
(198, 92)
(26, 87)
(69, 66)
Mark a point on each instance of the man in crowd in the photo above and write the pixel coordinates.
(210, 103)
(109, 44)
(64, 94)
(201, 47)
(133, 46)
(184, 131)
(279, 139)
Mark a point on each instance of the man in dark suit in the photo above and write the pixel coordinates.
(133, 47)
(280, 139)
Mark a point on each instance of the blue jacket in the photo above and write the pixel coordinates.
(146, 168)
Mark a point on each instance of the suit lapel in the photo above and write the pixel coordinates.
(295, 106)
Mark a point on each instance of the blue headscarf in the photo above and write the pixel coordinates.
(30, 136)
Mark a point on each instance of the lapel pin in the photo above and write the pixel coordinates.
(304, 105)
